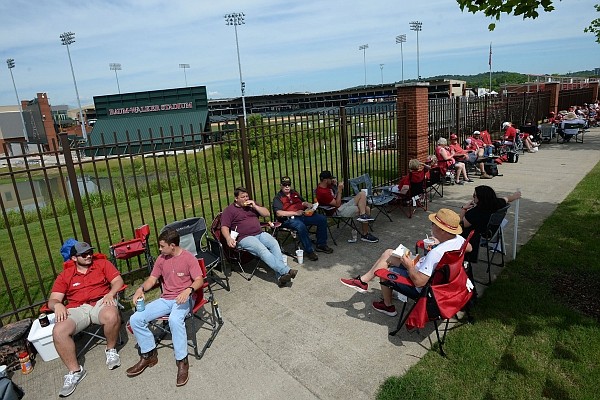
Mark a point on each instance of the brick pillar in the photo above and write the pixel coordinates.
(554, 89)
(594, 86)
(413, 128)
(46, 112)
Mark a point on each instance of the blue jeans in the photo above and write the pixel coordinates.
(409, 291)
(301, 223)
(155, 309)
(489, 150)
(265, 247)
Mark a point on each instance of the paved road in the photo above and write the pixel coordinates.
(319, 339)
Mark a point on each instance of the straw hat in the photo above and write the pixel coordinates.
(570, 115)
(447, 220)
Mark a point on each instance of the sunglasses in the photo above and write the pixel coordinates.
(286, 184)
(86, 254)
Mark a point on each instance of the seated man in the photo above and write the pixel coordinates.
(181, 276)
(510, 136)
(486, 142)
(476, 146)
(329, 193)
(567, 133)
(295, 213)
(89, 284)
(242, 217)
(446, 229)
(473, 153)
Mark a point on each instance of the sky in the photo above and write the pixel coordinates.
(285, 46)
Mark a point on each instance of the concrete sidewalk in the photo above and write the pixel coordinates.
(319, 339)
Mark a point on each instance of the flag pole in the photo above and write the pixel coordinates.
(490, 63)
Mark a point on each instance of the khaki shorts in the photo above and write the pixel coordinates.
(85, 314)
(349, 209)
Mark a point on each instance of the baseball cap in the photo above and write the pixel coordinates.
(504, 125)
(326, 175)
(476, 133)
(80, 248)
(286, 180)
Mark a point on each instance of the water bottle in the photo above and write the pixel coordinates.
(140, 305)
(354, 236)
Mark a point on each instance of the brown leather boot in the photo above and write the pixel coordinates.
(182, 371)
(149, 359)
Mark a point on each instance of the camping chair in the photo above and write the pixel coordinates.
(434, 184)
(93, 331)
(566, 137)
(243, 259)
(193, 233)
(447, 292)
(493, 239)
(547, 132)
(532, 130)
(379, 200)
(212, 321)
(134, 248)
(416, 196)
(339, 222)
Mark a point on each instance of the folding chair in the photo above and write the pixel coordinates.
(434, 183)
(447, 292)
(134, 248)
(339, 221)
(212, 321)
(378, 199)
(566, 137)
(194, 238)
(93, 332)
(416, 197)
(243, 259)
(547, 132)
(493, 239)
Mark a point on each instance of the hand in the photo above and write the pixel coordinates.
(183, 296)
(138, 294)
(231, 242)
(249, 203)
(109, 300)
(60, 312)
(407, 261)
(340, 186)
(299, 212)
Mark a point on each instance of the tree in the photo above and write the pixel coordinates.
(526, 8)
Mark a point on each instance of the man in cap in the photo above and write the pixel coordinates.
(242, 217)
(567, 133)
(446, 229)
(510, 136)
(89, 283)
(297, 214)
(329, 192)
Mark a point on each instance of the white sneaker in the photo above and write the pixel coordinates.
(71, 381)
(112, 358)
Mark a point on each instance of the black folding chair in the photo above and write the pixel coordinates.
(376, 199)
(493, 239)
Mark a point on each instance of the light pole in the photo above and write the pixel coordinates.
(417, 26)
(364, 48)
(116, 67)
(184, 66)
(381, 67)
(68, 38)
(236, 19)
(11, 64)
(401, 39)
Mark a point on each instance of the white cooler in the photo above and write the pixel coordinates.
(42, 339)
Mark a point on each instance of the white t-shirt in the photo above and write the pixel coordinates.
(427, 264)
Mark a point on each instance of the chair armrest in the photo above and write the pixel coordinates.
(393, 277)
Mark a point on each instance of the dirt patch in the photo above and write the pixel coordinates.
(580, 293)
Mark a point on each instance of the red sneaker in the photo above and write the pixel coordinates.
(355, 284)
(382, 308)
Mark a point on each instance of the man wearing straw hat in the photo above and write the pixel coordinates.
(567, 133)
(446, 229)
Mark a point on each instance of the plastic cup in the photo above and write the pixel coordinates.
(300, 256)
(284, 259)
(428, 244)
(3, 370)
(366, 191)
(234, 234)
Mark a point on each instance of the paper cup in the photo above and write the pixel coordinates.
(366, 191)
(284, 259)
(3, 370)
(428, 243)
(300, 256)
(234, 234)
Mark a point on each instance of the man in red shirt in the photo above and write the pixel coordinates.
(89, 284)
(295, 213)
(329, 193)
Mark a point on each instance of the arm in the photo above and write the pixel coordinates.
(513, 197)
(148, 284)
(115, 285)
(187, 292)
(225, 231)
(55, 303)
(418, 278)
(262, 211)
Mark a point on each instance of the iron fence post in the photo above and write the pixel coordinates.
(245, 156)
(64, 142)
(344, 148)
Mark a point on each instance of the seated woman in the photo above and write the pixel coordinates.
(417, 174)
(445, 157)
(476, 214)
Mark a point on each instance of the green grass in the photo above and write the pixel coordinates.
(530, 339)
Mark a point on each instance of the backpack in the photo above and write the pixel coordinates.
(491, 169)
(513, 157)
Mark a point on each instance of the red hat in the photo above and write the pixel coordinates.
(453, 136)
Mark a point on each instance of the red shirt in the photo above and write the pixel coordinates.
(511, 134)
(485, 137)
(325, 195)
(476, 143)
(177, 272)
(85, 288)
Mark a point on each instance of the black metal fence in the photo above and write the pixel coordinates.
(47, 197)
